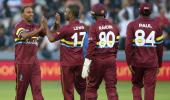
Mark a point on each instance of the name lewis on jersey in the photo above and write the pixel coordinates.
(78, 28)
(103, 27)
(145, 25)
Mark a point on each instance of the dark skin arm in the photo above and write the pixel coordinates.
(55, 27)
(34, 32)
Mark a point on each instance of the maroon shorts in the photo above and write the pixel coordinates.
(70, 78)
(144, 77)
(28, 74)
(102, 69)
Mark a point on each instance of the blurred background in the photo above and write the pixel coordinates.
(120, 12)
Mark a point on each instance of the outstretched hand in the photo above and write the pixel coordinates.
(44, 22)
(41, 24)
(57, 19)
(56, 24)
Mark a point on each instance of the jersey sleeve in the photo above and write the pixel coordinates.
(60, 34)
(117, 34)
(17, 32)
(159, 46)
(92, 43)
(129, 49)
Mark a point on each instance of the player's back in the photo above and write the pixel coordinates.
(106, 36)
(145, 34)
(72, 44)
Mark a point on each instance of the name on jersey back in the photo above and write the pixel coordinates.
(145, 25)
(104, 27)
(78, 28)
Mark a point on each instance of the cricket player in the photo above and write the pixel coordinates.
(144, 52)
(26, 63)
(71, 37)
(100, 62)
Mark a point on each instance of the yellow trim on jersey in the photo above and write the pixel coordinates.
(159, 38)
(19, 31)
(70, 42)
(109, 41)
(118, 37)
(34, 37)
(19, 39)
(133, 40)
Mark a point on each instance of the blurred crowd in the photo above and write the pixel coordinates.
(120, 12)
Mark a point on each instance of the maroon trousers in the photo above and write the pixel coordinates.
(70, 78)
(144, 77)
(102, 69)
(28, 74)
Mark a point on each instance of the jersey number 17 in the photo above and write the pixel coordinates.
(75, 38)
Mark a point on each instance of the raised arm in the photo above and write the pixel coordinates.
(54, 28)
(32, 33)
(56, 25)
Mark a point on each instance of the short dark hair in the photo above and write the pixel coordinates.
(74, 10)
(24, 7)
(145, 9)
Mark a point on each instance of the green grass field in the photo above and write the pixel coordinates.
(52, 91)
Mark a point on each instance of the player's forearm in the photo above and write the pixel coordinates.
(30, 34)
(116, 48)
(50, 36)
(90, 49)
(129, 49)
(160, 54)
(128, 57)
(55, 28)
(160, 61)
(128, 52)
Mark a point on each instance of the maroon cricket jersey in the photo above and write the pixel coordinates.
(103, 39)
(71, 37)
(25, 49)
(144, 43)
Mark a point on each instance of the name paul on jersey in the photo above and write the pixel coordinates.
(145, 25)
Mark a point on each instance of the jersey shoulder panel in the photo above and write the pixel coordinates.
(19, 28)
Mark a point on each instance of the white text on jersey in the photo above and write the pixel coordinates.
(145, 25)
(78, 28)
(103, 27)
